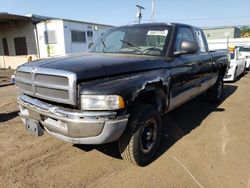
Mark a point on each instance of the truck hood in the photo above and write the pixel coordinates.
(93, 65)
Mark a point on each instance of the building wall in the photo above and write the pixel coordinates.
(14, 61)
(76, 47)
(237, 33)
(55, 49)
(222, 33)
(11, 31)
(216, 44)
(64, 44)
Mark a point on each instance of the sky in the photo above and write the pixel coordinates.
(203, 13)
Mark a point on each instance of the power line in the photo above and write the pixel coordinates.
(216, 18)
(153, 10)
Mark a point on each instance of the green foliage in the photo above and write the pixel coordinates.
(245, 29)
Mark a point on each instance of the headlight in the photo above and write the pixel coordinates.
(101, 102)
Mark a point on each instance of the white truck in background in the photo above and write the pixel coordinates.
(245, 53)
(242, 43)
(237, 65)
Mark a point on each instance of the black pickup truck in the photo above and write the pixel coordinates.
(119, 90)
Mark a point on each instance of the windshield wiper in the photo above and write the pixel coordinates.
(130, 44)
(103, 43)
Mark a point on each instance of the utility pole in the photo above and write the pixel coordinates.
(153, 10)
(139, 13)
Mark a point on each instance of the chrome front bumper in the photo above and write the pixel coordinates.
(73, 126)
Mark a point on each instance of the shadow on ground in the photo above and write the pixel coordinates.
(176, 124)
(8, 116)
(110, 149)
(4, 85)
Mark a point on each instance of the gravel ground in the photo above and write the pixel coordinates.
(5, 75)
(209, 147)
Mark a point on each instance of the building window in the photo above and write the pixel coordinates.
(208, 35)
(90, 34)
(78, 36)
(50, 37)
(5, 46)
(20, 46)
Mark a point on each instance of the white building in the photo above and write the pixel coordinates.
(17, 40)
(60, 36)
(216, 44)
(23, 38)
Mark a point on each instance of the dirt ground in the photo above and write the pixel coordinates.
(209, 147)
(5, 75)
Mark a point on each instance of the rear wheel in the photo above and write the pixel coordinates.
(140, 141)
(215, 93)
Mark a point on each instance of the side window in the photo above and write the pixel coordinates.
(50, 37)
(201, 43)
(184, 34)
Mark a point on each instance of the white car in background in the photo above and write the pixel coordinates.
(245, 52)
(247, 62)
(237, 65)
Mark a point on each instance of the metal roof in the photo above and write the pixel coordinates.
(219, 27)
(7, 18)
(89, 23)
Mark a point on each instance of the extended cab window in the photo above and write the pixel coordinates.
(184, 34)
(200, 40)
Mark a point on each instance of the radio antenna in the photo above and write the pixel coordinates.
(139, 13)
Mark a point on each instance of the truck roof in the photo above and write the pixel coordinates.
(161, 24)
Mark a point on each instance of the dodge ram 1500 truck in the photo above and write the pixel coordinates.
(121, 87)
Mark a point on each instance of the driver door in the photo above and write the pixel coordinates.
(184, 71)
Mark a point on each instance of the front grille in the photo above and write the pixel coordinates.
(49, 84)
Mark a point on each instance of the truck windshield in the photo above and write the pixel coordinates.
(137, 40)
(244, 49)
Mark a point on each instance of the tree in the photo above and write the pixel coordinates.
(245, 32)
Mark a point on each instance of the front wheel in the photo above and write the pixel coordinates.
(244, 70)
(235, 75)
(140, 141)
(215, 93)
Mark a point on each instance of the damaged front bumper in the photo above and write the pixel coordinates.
(73, 126)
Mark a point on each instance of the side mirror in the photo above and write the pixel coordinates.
(187, 47)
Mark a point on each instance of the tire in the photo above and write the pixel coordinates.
(215, 93)
(244, 71)
(140, 140)
(235, 75)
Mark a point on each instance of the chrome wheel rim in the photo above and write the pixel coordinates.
(148, 136)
